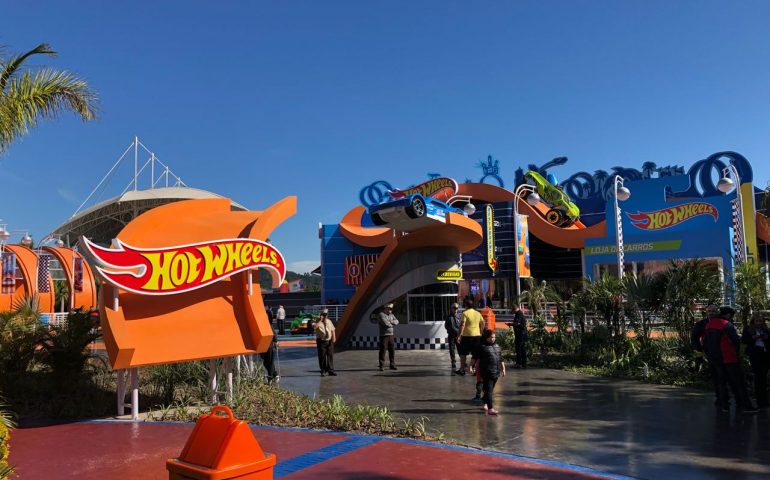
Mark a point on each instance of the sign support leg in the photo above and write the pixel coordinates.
(121, 391)
(134, 394)
(213, 380)
(228, 364)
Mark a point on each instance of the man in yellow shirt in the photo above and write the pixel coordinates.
(470, 333)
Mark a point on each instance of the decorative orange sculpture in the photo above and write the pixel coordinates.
(178, 282)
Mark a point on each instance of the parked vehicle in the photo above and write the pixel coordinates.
(302, 326)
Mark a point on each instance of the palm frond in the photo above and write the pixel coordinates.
(14, 63)
(42, 95)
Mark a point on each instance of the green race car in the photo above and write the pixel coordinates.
(563, 211)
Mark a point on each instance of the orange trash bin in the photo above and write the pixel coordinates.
(489, 318)
(220, 448)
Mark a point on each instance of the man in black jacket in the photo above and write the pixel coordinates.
(696, 340)
(452, 326)
(520, 332)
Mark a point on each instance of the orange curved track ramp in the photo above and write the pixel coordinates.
(459, 232)
(573, 236)
(26, 262)
(87, 298)
(219, 320)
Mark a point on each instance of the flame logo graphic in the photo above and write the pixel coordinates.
(171, 270)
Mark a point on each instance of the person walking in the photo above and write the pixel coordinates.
(470, 333)
(520, 337)
(387, 321)
(280, 315)
(325, 337)
(722, 345)
(756, 338)
(452, 326)
(489, 365)
(268, 358)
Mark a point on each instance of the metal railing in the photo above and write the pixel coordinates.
(335, 311)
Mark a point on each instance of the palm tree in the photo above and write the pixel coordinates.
(606, 297)
(537, 295)
(689, 282)
(61, 294)
(644, 297)
(28, 96)
(749, 289)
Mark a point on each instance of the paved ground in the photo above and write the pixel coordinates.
(551, 423)
(627, 428)
(123, 450)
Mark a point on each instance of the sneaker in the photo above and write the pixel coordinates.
(492, 411)
(381, 369)
(460, 372)
(323, 374)
(393, 367)
(332, 374)
(476, 399)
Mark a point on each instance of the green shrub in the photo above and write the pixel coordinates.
(65, 348)
(266, 404)
(177, 382)
(19, 336)
(5, 435)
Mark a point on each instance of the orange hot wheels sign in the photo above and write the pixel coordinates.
(170, 270)
(669, 217)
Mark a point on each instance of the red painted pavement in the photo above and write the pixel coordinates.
(116, 450)
(127, 450)
(388, 460)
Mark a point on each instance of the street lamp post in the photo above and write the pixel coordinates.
(724, 185)
(620, 193)
(533, 199)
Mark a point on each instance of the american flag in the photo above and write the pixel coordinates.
(43, 273)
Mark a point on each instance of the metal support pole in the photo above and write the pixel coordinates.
(618, 183)
(213, 380)
(136, 162)
(730, 168)
(121, 391)
(229, 370)
(524, 187)
(134, 394)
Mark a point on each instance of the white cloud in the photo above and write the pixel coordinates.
(303, 266)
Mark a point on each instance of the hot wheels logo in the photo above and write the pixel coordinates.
(164, 271)
(442, 185)
(668, 217)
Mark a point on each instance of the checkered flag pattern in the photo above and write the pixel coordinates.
(738, 246)
(43, 273)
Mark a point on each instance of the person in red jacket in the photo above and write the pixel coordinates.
(722, 346)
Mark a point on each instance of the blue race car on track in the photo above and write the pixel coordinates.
(411, 212)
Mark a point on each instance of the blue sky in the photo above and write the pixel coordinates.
(257, 100)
